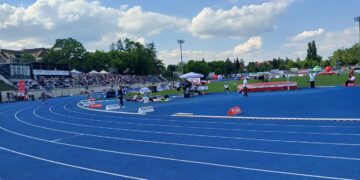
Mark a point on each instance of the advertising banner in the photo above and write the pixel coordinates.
(50, 72)
(21, 87)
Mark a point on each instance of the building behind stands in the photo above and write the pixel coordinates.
(11, 56)
(12, 69)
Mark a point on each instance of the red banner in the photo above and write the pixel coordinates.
(95, 106)
(21, 87)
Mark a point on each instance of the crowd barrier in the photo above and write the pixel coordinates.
(270, 86)
(65, 91)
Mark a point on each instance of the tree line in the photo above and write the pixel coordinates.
(125, 57)
(341, 57)
(130, 57)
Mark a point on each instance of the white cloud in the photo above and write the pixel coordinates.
(326, 43)
(252, 44)
(141, 40)
(238, 22)
(93, 24)
(149, 23)
(308, 35)
(27, 43)
(249, 51)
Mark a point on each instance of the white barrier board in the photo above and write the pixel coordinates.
(144, 110)
(112, 107)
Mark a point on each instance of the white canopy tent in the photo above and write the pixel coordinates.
(191, 75)
(74, 71)
(93, 72)
(103, 72)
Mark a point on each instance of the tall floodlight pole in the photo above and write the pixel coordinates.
(357, 19)
(180, 41)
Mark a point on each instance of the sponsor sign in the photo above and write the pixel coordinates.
(95, 106)
(144, 90)
(111, 107)
(144, 110)
(50, 72)
(21, 87)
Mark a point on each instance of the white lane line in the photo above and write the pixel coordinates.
(206, 122)
(177, 160)
(267, 118)
(57, 140)
(69, 165)
(205, 128)
(191, 145)
(192, 135)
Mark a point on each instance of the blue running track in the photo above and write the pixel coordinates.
(60, 140)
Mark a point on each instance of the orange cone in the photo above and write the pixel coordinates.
(234, 111)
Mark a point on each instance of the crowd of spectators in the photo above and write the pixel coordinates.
(86, 80)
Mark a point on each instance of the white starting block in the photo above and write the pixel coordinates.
(112, 107)
(144, 110)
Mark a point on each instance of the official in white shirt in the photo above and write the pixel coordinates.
(245, 86)
(312, 76)
(226, 87)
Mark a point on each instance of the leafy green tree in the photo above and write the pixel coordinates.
(119, 45)
(242, 66)
(237, 65)
(200, 67)
(98, 60)
(170, 71)
(229, 67)
(67, 51)
(218, 67)
(348, 56)
(140, 59)
(312, 53)
(251, 67)
(27, 58)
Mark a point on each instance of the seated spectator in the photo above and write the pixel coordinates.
(350, 80)
(135, 98)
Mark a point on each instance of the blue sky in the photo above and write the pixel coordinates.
(254, 30)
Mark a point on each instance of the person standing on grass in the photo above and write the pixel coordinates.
(350, 80)
(312, 76)
(351, 72)
(245, 87)
(226, 87)
(121, 96)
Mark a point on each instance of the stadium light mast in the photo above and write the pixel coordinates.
(357, 19)
(180, 41)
